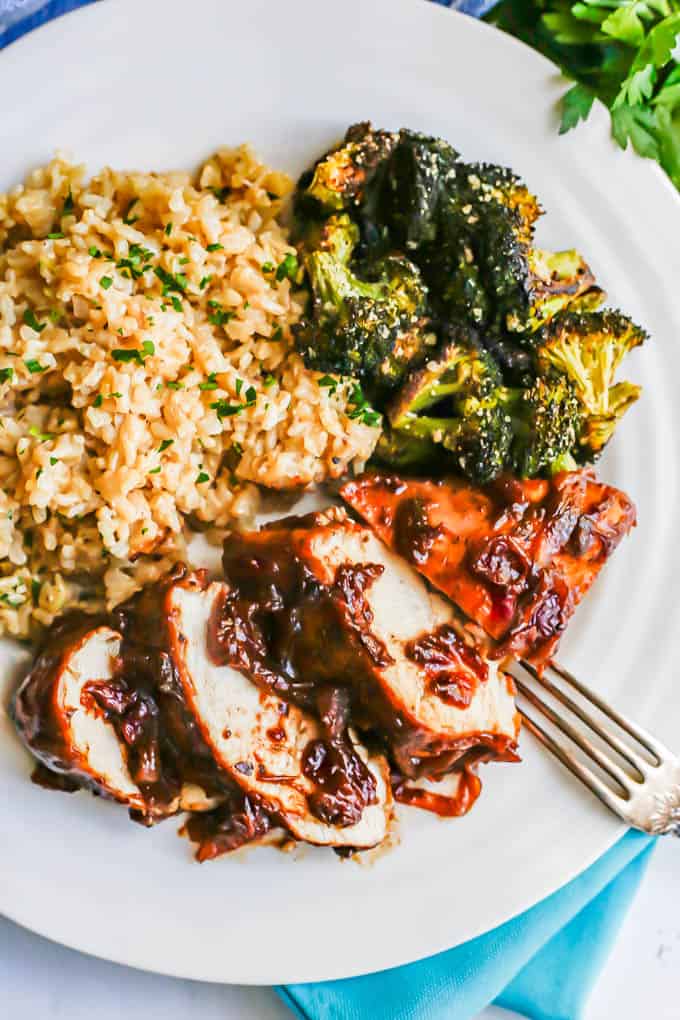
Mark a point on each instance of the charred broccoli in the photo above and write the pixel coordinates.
(546, 422)
(367, 320)
(587, 348)
(451, 408)
(340, 180)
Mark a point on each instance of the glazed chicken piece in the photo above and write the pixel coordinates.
(57, 723)
(516, 556)
(338, 609)
(278, 753)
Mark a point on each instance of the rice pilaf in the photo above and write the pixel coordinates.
(147, 376)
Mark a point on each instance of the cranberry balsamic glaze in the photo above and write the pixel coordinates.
(275, 624)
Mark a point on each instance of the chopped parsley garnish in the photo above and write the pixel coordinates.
(221, 193)
(359, 408)
(251, 395)
(215, 247)
(56, 235)
(35, 590)
(131, 219)
(155, 471)
(183, 261)
(327, 381)
(176, 303)
(174, 385)
(209, 384)
(168, 229)
(205, 280)
(219, 316)
(239, 387)
(54, 315)
(225, 409)
(54, 460)
(30, 320)
(69, 205)
(41, 436)
(277, 335)
(135, 264)
(95, 252)
(98, 400)
(105, 282)
(6, 374)
(34, 366)
(171, 281)
(127, 355)
(202, 477)
(165, 444)
(38, 473)
(269, 380)
(268, 267)
(288, 269)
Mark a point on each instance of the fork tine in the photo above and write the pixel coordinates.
(587, 777)
(608, 766)
(610, 738)
(643, 737)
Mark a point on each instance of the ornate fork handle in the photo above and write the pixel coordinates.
(629, 770)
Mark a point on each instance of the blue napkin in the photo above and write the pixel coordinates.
(541, 964)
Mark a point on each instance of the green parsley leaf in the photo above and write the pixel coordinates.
(171, 281)
(168, 229)
(54, 460)
(41, 436)
(328, 381)
(34, 367)
(69, 204)
(268, 267)
(202, 477)
(205, 280)
(268, 380)
(221, 193)
(176, 303)
(277, 335)
(183, 261)
(575, 105)
(215, 247)
(56, 235)
(131, 219)
(288, 268)
(35, 590)
(239, 387)
(251, 395)
(174, 385)
(209, 384)
(165, 444)
(98, 400)
(225, 409)
(6, 374)
(30, 320)
(105, 282)
(155, 471)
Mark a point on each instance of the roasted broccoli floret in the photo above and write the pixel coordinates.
(339, 181)
(367, 319)
(546, 423)
(452, 409)
(587, 348)
(419, 172)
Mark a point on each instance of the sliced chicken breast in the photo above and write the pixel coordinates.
(516, 556)
(260, 740)
(368, 621)
(58, 722)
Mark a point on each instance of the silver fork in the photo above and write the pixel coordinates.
(646, 795)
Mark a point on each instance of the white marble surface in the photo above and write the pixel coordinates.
(42, 981)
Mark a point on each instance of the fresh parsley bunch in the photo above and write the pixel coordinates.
(623, 52)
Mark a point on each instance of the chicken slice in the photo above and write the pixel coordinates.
(516, 556)
(258, 739)
(59, 724)
(362, 617)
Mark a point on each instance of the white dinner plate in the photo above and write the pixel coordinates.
(159, 84)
